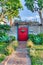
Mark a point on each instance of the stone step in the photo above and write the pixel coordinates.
(21, 51)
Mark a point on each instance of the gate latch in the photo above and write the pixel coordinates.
(22, 30)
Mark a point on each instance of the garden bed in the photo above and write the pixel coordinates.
(35, 52)
(7, 48)
(5, 45)
(38, 58)
(5, 27)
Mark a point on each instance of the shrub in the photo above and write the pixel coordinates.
(31, 37)
(12, 38)
(2, 57)
(5, 38)
(36, 61)
(2, 47)
(41, 35)
(5, 27)
(29, 44)
(15, 44)
(32, 52)
(37, 40)
(2, 33)
(8, 50)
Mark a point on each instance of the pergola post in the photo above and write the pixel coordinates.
(17, 30)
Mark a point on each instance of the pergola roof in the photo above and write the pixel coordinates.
(27, 23)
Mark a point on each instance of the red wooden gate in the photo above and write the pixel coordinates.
(22, 34)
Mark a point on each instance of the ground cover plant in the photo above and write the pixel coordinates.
(35, 52)
(5, 27)
(37, 57)
(36, 39)
(5, 45)
(5, 38)
(7, 49)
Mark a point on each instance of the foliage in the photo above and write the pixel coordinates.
(2, 57)
(5, 38)
(30, 4)
(41, 35)
(40, 4)
(35, 5)
(38, 58)
(5, 27)
(38, 47)
(36, 61)
(36, 39)
(8, 50)
(30, 44)
(36, 55)
(31, 37)
(2, 46)
(32, 52)
(14, 44)
(10, 8)
(12, 38)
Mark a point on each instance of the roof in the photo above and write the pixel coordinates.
(27, 23)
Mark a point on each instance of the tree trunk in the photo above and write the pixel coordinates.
(41, 27)
(2, 16)
(41, 17)
(11, 21)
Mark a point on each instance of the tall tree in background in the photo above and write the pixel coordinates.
(10, 8)
(36, 5)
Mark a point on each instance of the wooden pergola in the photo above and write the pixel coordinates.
(27, 23)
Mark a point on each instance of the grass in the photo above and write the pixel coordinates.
(2, 57)
(38, 58)
(7, 48)
(36, 53)
(36, 61)
(38, 47)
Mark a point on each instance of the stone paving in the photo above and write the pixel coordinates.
(19, 57)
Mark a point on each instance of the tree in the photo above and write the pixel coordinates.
(37, 7)
(10, 8)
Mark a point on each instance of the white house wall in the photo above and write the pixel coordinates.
(13, 31)
(34, 29)
(41, 29)
(31, 30)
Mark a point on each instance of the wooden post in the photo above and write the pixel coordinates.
(28, 30)
(17, 30)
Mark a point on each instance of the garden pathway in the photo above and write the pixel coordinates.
(19, 57)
